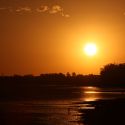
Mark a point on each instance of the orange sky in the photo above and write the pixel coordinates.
(48, 36)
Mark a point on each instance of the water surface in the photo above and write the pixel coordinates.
(59, 105)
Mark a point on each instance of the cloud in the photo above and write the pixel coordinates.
(24, 9)
(56, 9)
(8, 9)
(66, 15)
(52, 10)
(42, 9)
(2, 8)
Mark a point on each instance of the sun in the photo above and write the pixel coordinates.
(90, 49)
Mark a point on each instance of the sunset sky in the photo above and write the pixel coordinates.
(46, 36)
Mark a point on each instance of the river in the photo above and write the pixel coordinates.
(59, 106)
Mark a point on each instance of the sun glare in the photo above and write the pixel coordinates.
(90, 49)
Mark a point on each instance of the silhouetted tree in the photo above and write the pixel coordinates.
(113, 74)
(68, 75)
(74, 74)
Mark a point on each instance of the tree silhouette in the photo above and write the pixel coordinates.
(113, 74)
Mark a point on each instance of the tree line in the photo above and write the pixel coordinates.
(110, 75)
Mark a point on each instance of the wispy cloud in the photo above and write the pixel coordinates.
(42, 9)
(55, 9)
(2, 8)
(23, 9)
(9, 9)
(66, 15)
(58, 9)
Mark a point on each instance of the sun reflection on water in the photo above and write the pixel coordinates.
(90, 93)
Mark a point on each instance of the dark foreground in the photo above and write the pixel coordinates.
(105, 112)
(82, 106)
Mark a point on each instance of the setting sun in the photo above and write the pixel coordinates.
(90, 49)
